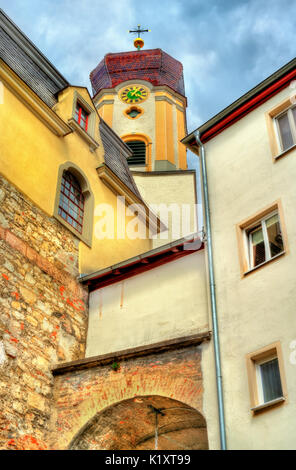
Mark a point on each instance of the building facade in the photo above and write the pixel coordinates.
(106, 330)
(250, 156)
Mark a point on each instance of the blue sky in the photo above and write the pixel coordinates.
(226, 46)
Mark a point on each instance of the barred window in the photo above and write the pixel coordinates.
(71, 204)
(138, 148)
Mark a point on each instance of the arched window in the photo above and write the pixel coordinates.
(138, 148)
(71, 204)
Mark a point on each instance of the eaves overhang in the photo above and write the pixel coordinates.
(244, 105)
(142, 263)
(32, 101)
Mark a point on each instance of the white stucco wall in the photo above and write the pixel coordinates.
(167, 302)
(259, 309)
(178, 188)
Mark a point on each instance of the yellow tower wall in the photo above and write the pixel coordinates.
(162, 122)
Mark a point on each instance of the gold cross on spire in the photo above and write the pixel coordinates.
(138, 42)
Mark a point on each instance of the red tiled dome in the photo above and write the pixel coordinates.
(152, 65)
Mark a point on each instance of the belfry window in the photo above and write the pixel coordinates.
(71, 204)
(81, 116)
(138, 148)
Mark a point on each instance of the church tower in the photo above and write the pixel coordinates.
(140, 94)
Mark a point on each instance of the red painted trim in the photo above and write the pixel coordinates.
(86, 123)
(249, 106)
(137, 267)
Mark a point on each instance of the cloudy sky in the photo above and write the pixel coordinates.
(226, 46)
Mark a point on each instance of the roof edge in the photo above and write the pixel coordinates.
(143, 262)
(31, 50)
(240, 102)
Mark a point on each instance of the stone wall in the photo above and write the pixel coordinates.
(43, 316)
(117, 400)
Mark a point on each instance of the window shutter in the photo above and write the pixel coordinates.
(138, 148)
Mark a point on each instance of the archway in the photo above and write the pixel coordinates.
(131, 425)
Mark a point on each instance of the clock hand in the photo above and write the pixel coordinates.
(136, 91)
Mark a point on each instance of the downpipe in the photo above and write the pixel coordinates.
(212, 294)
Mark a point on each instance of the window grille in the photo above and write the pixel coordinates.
(71, 205)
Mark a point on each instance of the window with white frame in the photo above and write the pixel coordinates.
(286, 128)
(268, 380)
(264, 240)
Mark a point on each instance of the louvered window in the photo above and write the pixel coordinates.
(138, 148)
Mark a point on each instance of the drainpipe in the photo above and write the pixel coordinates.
(212, 294)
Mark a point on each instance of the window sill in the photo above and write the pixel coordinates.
(268, 404)
(93, 144)
(282, 154)
(71, 229)
(263, 264)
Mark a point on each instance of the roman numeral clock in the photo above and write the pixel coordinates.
(134, 94)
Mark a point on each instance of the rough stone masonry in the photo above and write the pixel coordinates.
(43, 316)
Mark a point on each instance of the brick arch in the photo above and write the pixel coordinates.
(81, 395)
(130, 425)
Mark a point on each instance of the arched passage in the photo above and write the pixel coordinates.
(131, 425)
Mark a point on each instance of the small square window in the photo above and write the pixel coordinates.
(261, 238)
(268, 380)
(266, 377)
(264, 240)
(286, 128)
(81, 116)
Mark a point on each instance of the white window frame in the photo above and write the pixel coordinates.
(248, 239)
(292, 124)
(259, 378)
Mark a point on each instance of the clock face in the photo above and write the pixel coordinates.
(134, 94)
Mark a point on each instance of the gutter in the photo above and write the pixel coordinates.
(212, 293)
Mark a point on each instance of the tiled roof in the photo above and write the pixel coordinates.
(115, 156)
(153, 65)
(22, 56)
